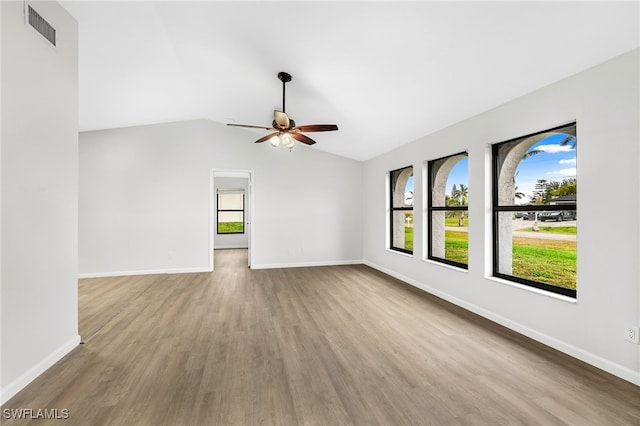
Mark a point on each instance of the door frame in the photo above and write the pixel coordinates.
(248, 218)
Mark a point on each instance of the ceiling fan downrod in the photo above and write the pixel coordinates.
(284, 78)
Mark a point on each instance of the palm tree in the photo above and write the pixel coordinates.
(570, 140)
(518, 194)
(460, 194)
(531, 153)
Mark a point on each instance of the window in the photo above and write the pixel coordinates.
(230, 211)
(401, 212)
(535, 210)
(447, 209)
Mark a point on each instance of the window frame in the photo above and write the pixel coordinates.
(431, 208)
(496, 209)
(393, 209)
(218, 210)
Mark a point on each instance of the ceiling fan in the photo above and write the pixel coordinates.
(285, 128)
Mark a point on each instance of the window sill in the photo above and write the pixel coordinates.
(399, 252)
(445, 265)
(533, 290)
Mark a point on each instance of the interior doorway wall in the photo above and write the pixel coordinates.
(226, 179)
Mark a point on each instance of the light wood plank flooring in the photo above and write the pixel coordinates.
(343, 345)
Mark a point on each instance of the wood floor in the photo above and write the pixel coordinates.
(343, 345)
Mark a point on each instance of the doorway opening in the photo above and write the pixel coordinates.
(231, 212)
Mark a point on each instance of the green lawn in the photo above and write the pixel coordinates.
(230, 227)
(456, 246)
(408, 238)
(548, 261)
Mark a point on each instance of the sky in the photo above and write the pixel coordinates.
(556, 162)
(459, 174)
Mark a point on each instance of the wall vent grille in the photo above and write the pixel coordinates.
(42, 26)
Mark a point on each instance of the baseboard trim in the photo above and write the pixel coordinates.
(144, 272)
(307, 264)
(574, 351)
(31, 374)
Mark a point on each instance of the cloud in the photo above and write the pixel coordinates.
(563, 172)
(554, 149)
(568, 161)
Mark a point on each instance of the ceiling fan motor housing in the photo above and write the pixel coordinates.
(284, 77)
(292, 123)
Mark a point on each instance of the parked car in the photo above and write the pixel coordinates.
(529, 215)
(557, 215)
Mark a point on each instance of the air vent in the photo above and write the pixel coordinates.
(42, 26)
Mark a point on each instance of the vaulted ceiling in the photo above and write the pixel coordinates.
(386, 72)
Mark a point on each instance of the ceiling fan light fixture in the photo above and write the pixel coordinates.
(288, 141)
(274, 141)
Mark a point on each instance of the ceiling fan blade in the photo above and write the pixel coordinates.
(249, 126)
(302, 138)
(281, 119)
(266, 138)
(316, 128)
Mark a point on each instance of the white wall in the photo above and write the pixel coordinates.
(39, 194)
(222, 241)
(605, 102)
(145, 199)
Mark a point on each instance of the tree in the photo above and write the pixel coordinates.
(460, 194)
(570, 140)
(453, 198)
(540, 195)
(545, 191)
(519, 195)
(531, 153)
(568, 186)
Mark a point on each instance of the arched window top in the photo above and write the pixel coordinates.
(402, 187)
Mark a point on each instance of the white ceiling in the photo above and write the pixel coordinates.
(386, 72)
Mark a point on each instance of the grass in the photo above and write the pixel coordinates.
(230, 227)
(548, 261)
(456, 246)
(408, 238)
(554, 229)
